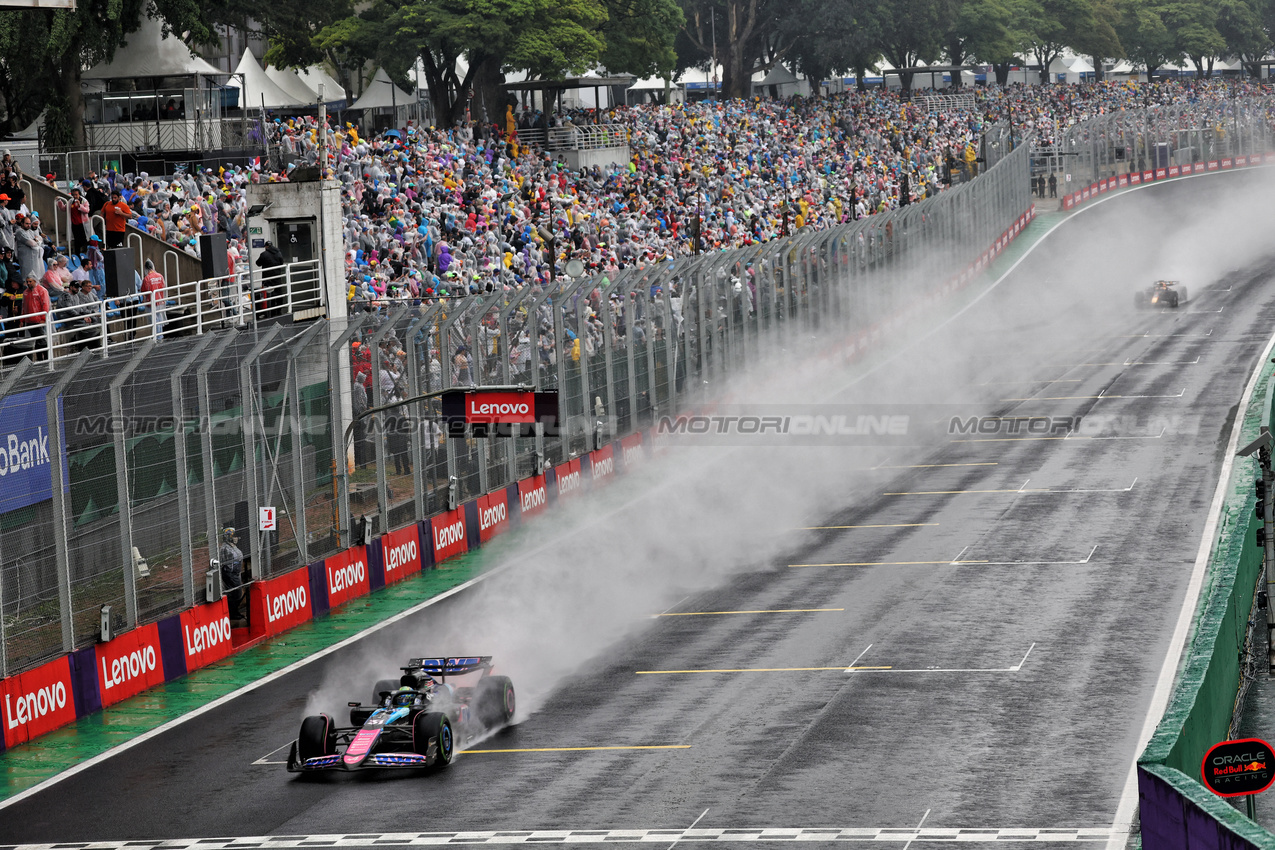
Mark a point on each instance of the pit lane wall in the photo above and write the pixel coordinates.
(1176, 811)
(1151, 175)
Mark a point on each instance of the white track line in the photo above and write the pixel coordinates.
(1027, 563)
(918, 826)
(1177, 645)
(692, 826)
(851, 669)
(896, 834)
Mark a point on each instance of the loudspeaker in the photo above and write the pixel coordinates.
(212, 255)
(121, 270)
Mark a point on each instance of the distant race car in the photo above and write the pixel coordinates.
(414, 721)
(1162, 293)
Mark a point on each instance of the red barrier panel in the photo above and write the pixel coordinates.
(206, 634)
(1199, 167)
(533, 496)
(1227, 163)
(347, 576)
(129, 664)
(1084, 194)
(1148, 176)
(569, 480)
(401, 551)
(279, 604)
(1174, 171)
(1161, 173)
(493, 515)
(1212, 165)
(37, 701)
(601, 466)
(1124, 180)
(1135, 178)
(447, 534)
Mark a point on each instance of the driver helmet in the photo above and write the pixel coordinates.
(405, 696)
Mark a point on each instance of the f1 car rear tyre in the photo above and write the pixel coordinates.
(494, 701)
(317, 738)
(390, 685)
(434, 726)
(1173, 300)
(1181, 294)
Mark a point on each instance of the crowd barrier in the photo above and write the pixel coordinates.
(1150, 175)
(1176, 810)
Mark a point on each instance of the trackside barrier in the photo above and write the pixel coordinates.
(1074, 199)
(72, 684)
(1176, 810)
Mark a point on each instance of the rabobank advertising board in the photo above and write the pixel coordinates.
(25, 469)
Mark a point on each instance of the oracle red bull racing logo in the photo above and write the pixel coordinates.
(1237, 768)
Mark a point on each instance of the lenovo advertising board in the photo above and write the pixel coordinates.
(206, 634)
(347, 576)
(37, 701)
(401, 551)
(129, 664)
(281, 603)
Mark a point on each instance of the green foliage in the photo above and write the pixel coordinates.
(639, 37)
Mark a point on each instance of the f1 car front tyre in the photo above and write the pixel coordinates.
(432, 730)
(317, 738)
(494, 701)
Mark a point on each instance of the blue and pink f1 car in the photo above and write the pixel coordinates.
(414, 721)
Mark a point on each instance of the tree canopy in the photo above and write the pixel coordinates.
(467, 46)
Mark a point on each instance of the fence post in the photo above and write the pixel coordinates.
(183, 482)
(250, 401)
(338, 392)
(206, 438)
(378, 399)
(296, 516)
(118, 429)
(420, 482)
(58, 472)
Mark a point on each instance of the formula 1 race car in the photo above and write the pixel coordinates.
(414, 721)
(1162, 293)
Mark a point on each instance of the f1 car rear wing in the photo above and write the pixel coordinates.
(449, 666)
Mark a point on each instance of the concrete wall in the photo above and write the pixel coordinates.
(301, 201)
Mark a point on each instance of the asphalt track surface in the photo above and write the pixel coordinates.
(1005, 610)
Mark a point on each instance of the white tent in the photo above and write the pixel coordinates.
(314, 76)
(257, 85)
(379, 94)
(292, 84)
(149, 54)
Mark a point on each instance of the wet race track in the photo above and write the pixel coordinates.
(970, 640)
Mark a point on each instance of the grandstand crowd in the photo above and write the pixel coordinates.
(437, 213)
